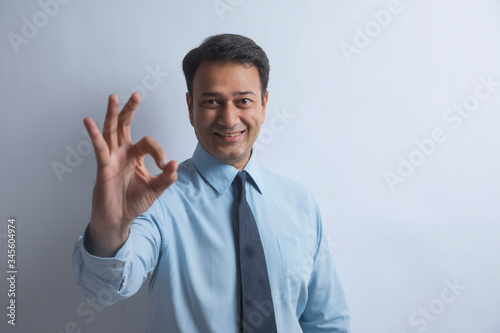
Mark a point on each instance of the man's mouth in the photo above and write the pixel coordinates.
(229, 135)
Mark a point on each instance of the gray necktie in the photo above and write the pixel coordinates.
(257, 313)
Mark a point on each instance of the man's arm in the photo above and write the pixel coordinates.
(110, 259)
(107, 280)
(326, 309)
(124, 188)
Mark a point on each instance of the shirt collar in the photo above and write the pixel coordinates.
(221, 175)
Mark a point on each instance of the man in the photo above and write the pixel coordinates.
(230, 246)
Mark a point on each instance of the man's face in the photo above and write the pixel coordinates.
(227, 110)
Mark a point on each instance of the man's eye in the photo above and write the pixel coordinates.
(210, 102)
(245, 101)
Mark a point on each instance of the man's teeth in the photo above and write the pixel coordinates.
(230, 135)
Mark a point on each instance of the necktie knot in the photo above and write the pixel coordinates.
(241, 179)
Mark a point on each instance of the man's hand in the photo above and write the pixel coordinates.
(124, 188)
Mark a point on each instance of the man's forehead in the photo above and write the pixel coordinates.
(234, 93)
(218, 66)
(228, 78)
(226, 62)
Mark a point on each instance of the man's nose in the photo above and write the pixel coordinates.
(229, 115)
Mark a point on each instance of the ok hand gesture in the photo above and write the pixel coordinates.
(124, 188)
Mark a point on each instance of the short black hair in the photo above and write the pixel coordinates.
(227, 48)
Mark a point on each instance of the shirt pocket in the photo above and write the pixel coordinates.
(296, 262)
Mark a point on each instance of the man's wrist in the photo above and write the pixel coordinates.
(103, 243)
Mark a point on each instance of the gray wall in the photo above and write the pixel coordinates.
(380, 107)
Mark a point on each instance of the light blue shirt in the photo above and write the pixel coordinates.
(186, 241)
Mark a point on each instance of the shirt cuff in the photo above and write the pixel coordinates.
(110, 269)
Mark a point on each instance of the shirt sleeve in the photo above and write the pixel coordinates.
(326, 308)
(105, 281)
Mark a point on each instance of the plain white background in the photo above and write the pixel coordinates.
(356, 90)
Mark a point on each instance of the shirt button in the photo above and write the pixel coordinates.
(119, 265)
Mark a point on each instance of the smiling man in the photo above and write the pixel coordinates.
(230, 246)
(226, 109)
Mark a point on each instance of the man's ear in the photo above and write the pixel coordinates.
(264, 104)
(189, 103)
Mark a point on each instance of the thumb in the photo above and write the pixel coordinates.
(166, 178)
